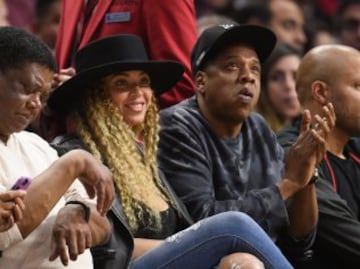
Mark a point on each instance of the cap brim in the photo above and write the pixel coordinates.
(260, 38)
(164, 75)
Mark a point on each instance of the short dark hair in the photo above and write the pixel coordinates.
(19, 47)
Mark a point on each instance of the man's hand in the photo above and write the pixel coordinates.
(11, 208)
(62, 76)
(309, 148)
(71, 234)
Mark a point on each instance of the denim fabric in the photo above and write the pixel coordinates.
(202, 245)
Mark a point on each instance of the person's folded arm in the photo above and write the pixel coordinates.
(78, 226)
(48, 187)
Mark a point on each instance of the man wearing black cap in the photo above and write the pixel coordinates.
(218, 156)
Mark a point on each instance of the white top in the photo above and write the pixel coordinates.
(26, 154)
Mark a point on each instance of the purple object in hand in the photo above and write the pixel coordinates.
(22, 183)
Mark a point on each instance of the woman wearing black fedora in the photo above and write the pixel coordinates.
(111, 103)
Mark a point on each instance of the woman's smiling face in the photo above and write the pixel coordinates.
(131, 93)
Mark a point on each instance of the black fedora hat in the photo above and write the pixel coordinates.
(215, 38)
(108, 56)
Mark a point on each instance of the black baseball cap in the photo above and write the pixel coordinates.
(262, 39)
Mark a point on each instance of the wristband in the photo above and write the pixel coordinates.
(85, 207)
(315, 177)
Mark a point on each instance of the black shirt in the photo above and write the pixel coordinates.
(347, 180)
(168, 226)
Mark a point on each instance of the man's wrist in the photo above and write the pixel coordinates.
(315, 177)
(86, 208)
(288, 188)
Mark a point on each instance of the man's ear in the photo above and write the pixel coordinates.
(320, 92)
(200, 80)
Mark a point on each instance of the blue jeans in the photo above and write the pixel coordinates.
(202, 245)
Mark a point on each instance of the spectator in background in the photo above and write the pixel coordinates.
(287, 22)
(320, 33)
(46, 20)
(278, 101)
(45, 25)
(320, 24)
(168, 31)
(349, 23)
(21, 12)
(4, 21)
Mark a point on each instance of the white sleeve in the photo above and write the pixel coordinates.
(10, 237)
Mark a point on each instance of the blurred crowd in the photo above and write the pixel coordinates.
(301, 24)
(298, 25)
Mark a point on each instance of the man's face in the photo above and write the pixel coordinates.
(23, 91)
(345, 95)
(47, 27)
(287, 21)
(231, 84)
(350, 26)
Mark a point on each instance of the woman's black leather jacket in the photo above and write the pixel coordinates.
(117, 252)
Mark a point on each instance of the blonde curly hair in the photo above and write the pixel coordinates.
(102, 128)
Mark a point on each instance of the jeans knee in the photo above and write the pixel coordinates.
(238, 219)
(241, 260)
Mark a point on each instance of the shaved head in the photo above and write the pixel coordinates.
(331, 73)
(325, 63)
